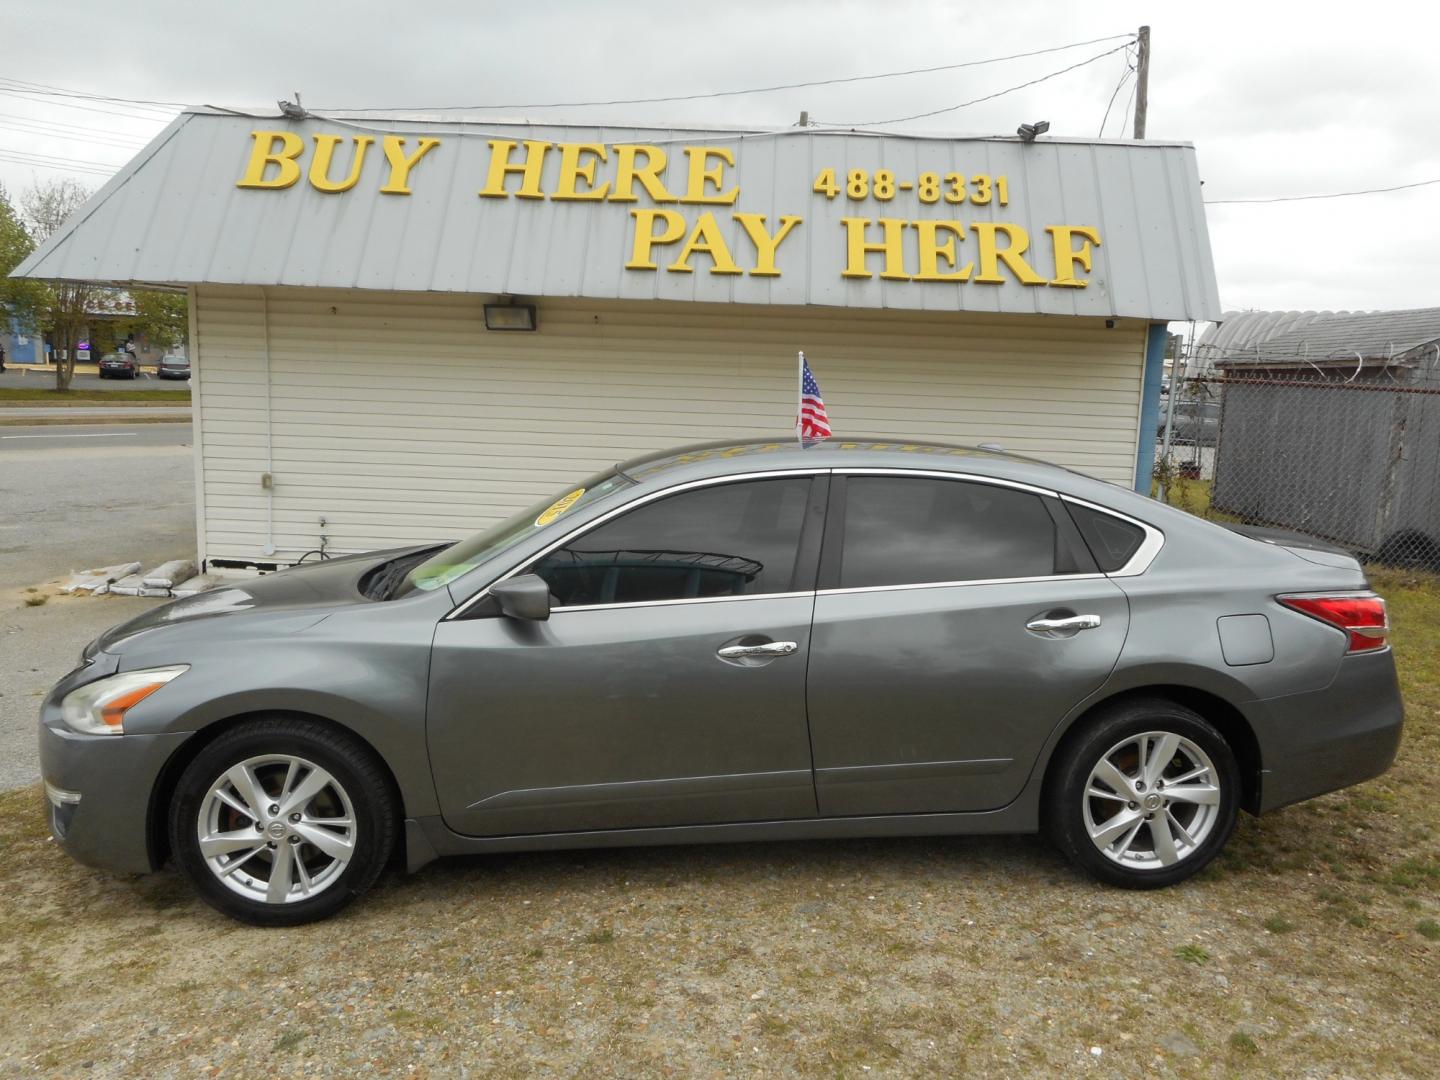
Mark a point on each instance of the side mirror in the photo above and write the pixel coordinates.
(523, 597)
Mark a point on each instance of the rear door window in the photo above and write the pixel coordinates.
(917, 530)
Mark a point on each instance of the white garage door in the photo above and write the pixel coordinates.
(398, 418)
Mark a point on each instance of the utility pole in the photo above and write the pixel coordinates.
(1142, 81)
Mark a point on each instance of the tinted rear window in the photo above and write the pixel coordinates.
(909, 531)
(1113, 542)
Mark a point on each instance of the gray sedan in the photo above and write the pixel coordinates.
(756, 641)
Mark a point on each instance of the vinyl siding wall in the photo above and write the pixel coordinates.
(399, 418)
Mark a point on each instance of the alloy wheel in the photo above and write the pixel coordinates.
(1151, 800)
(277, 829)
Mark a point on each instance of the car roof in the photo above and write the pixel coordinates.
(732, 457)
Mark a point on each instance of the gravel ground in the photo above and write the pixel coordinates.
(1311, 948)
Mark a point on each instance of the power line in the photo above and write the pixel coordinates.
(71, 136)
(52, 159)
(47, 90)
(987, 97)
(1331, 195)
(1129, 105)
(738, 93)
(1124, 76)
(24, 95)
(63, 125)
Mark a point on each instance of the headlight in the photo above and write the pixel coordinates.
(99, 708)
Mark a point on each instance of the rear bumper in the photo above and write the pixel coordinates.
(1328, 739)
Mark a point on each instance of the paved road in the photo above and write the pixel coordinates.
(15, 377)
(120, 410)
(71, 499)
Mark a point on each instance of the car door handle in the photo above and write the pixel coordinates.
(770, 648)
(1074, 622)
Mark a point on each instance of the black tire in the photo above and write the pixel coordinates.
(1065, 802)
(359, 774)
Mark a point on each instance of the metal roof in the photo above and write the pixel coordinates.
(1320, 336)
(175, 216)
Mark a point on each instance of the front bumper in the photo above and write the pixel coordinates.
(113, 776)
(1323, 740)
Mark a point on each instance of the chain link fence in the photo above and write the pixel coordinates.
(1348, 454)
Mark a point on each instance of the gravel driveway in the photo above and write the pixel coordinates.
(1309, 949)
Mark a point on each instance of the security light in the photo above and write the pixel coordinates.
(1027, 132)
(510, 316)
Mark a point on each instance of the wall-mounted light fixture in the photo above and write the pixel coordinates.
(1027, 132)
(510, 316)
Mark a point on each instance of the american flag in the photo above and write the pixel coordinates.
(812, 423)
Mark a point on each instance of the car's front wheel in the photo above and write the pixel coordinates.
(1145, 795)
(282, 821)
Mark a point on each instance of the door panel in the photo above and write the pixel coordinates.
(939, 699)
(621, 717)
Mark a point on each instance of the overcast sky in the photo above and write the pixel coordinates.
(1279, 99)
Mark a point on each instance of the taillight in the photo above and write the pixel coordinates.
(1361, 615)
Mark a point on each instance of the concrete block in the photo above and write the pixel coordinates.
(168, 575)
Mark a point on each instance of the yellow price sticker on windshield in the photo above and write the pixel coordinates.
(559, 506)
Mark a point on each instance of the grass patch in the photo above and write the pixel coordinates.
(599, 937)
(1192, 954)
(288, 1040)
(1428, 929)
(35, 601)
(28, 395)
(1278, 924)
(1245, 1044)
(47, 420)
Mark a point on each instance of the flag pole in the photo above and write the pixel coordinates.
(799, 391)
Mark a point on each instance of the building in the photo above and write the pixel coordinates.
(358, 287)
(1330, 425)
(109, 318)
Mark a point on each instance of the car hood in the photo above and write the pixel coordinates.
(287, 600)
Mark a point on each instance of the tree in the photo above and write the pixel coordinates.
(63, 304)
(19, 300)
(162, 317)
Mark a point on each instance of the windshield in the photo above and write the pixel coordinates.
(450, 563)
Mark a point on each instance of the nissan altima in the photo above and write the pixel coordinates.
(752, 641)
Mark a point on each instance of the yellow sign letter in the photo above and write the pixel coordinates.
(325, 152)
(572, 170)
(765, 244)
(701, 174)
(280, 148)
(932, 251)
(400, 165)
(646, 237)
(1012, 255)
(627, 172)
(857, 246)
(707, 236)
(500, 167)
(1067, 254)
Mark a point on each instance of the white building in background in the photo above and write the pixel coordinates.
(358, 287)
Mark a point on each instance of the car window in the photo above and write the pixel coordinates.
(736, 539)
(1112, 541)
(914, 530)
(445, 566)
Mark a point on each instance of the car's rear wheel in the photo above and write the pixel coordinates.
(282, 821)
(1144, 795)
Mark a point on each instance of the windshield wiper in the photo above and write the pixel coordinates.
(386, 578)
